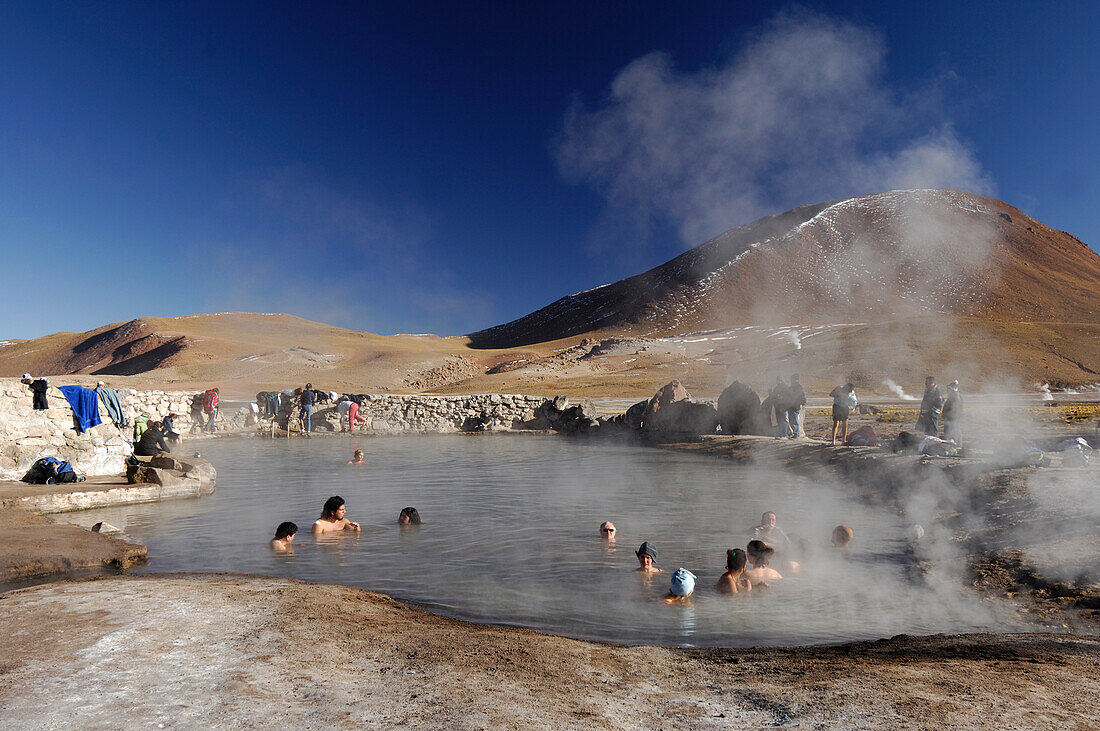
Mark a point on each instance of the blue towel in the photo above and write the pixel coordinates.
(85, 405)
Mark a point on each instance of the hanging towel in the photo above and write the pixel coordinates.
(109, 396)
(85, 405)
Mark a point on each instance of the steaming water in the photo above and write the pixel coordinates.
(510, 536)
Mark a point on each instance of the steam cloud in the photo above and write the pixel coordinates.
(801, 113)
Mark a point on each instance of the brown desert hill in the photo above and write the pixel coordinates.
(243, 352)
(876, 258)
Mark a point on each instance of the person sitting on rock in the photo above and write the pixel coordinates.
(168, 425)
(771, 533)
(760, 554)
(842, 536)
(332, 518)
(607, 531)
(152, 441)
(356, 457)
(284, 534)
(734, 581)
(408, 516)
(647, 556)
(681, 587)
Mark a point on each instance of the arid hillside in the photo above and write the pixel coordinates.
(877, 258)
(874, 289)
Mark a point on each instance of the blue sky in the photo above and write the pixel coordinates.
(444, 167)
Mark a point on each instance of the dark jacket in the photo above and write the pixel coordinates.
(953, 407)
(797, 396)
(151, 442)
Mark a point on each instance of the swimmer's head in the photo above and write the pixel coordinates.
(760, 553)
(768, 519)
(736, 560)
(683, 582)
(607, 529)
(357, 454)
(285, 530)
(647, 554)
(842, 536)
(408, 516)
(332, 506)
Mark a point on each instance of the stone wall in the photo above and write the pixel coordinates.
(26, 435)
(436, 413)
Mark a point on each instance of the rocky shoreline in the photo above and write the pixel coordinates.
(232, 651)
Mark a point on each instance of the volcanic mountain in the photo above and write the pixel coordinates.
(875, 258)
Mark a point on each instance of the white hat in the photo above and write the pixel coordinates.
(101, 383)
(954, 385)
(26, 376)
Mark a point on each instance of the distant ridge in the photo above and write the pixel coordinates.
(870, 258)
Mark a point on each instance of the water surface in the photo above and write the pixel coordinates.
(510, 536)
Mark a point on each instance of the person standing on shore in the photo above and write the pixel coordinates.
(930, 408)
(844, 400)
(797, 399)
(308, 399)
(781, 396)
(210, 406)
(952, 413)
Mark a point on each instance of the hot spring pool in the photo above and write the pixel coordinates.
(510, 536)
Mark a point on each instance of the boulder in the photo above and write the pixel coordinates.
(739, 410)
(657, 413)
(106, 528)
(688, 417)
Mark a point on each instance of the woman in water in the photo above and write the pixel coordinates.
(332, 517)
(408, 516)
(607, 531)
(647, 555)
(681, 587)
(760, 554)
(733, 581)
(356, 457)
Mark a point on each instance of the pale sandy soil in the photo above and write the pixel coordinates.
(251, 652)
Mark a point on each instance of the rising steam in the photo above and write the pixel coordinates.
(800, 113)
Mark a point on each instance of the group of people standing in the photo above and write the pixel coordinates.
(787, 401)
(934, 408)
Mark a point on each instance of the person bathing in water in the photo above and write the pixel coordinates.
(771, 533)
(607, 531)
(356, 457)
(681, 587)
(647, 556)
(842, 536)
(284, 534)
(332, 517)
(408, 516)
(734, 581)
(760, 554)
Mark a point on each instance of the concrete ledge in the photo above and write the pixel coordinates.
(91, 495)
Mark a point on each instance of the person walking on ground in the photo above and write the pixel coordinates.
(797, 399)
(844, 400)
(210, 406)
(930, 408)
(197, 421)
(780, 396)
(308, 399)
(952, 413)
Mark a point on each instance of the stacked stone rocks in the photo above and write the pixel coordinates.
(389, 413)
